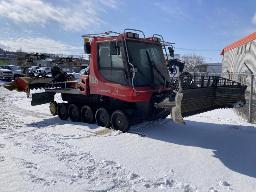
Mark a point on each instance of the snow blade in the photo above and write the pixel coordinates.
(42, 98)
(27, 83)
(20, 84)
(200, 100)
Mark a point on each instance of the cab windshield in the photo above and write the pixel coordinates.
(149, 62)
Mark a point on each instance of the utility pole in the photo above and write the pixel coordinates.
(251, 94)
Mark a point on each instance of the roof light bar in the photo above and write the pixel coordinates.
(132, 35)
(156, 39)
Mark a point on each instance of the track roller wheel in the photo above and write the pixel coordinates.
(87, 115)
(120, 121)
(63, 111)
(102, 117)
(53, 108)
(74, 113)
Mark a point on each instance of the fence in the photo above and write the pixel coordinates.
(249, 110)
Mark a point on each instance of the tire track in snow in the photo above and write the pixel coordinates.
(81, 167)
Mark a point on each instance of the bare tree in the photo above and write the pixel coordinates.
(191, 62)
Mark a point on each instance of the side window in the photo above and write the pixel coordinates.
(116, 55)
(104, 55)
(111, 63)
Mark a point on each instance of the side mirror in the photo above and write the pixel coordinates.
(87, 46)
(171, 51)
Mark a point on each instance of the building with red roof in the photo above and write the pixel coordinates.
(238, 53)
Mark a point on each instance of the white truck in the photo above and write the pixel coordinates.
(43, 71)
(5, 74)
(16, 70)
(32, 70)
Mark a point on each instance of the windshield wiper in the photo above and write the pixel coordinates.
(154, 66)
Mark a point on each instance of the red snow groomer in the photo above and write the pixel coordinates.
(129, 81)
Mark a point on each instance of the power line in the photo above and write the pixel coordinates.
(198, 50)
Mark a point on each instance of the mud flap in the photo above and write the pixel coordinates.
(42, 98)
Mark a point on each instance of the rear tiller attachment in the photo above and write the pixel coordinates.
(198, 94)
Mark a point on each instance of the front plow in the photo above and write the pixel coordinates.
(24, 84)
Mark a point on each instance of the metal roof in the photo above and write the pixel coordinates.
(240, 42)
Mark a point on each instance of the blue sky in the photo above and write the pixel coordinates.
(202, 27)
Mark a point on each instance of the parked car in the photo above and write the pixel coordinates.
(77, 75)
(74, 75)
(43, 71)
(84, 71)
(32, 70)
(16, 70)
(5, 74)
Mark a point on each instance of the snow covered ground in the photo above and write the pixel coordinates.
(214, 151)
(2, 82)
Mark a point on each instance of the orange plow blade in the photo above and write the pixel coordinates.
(24, 84)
